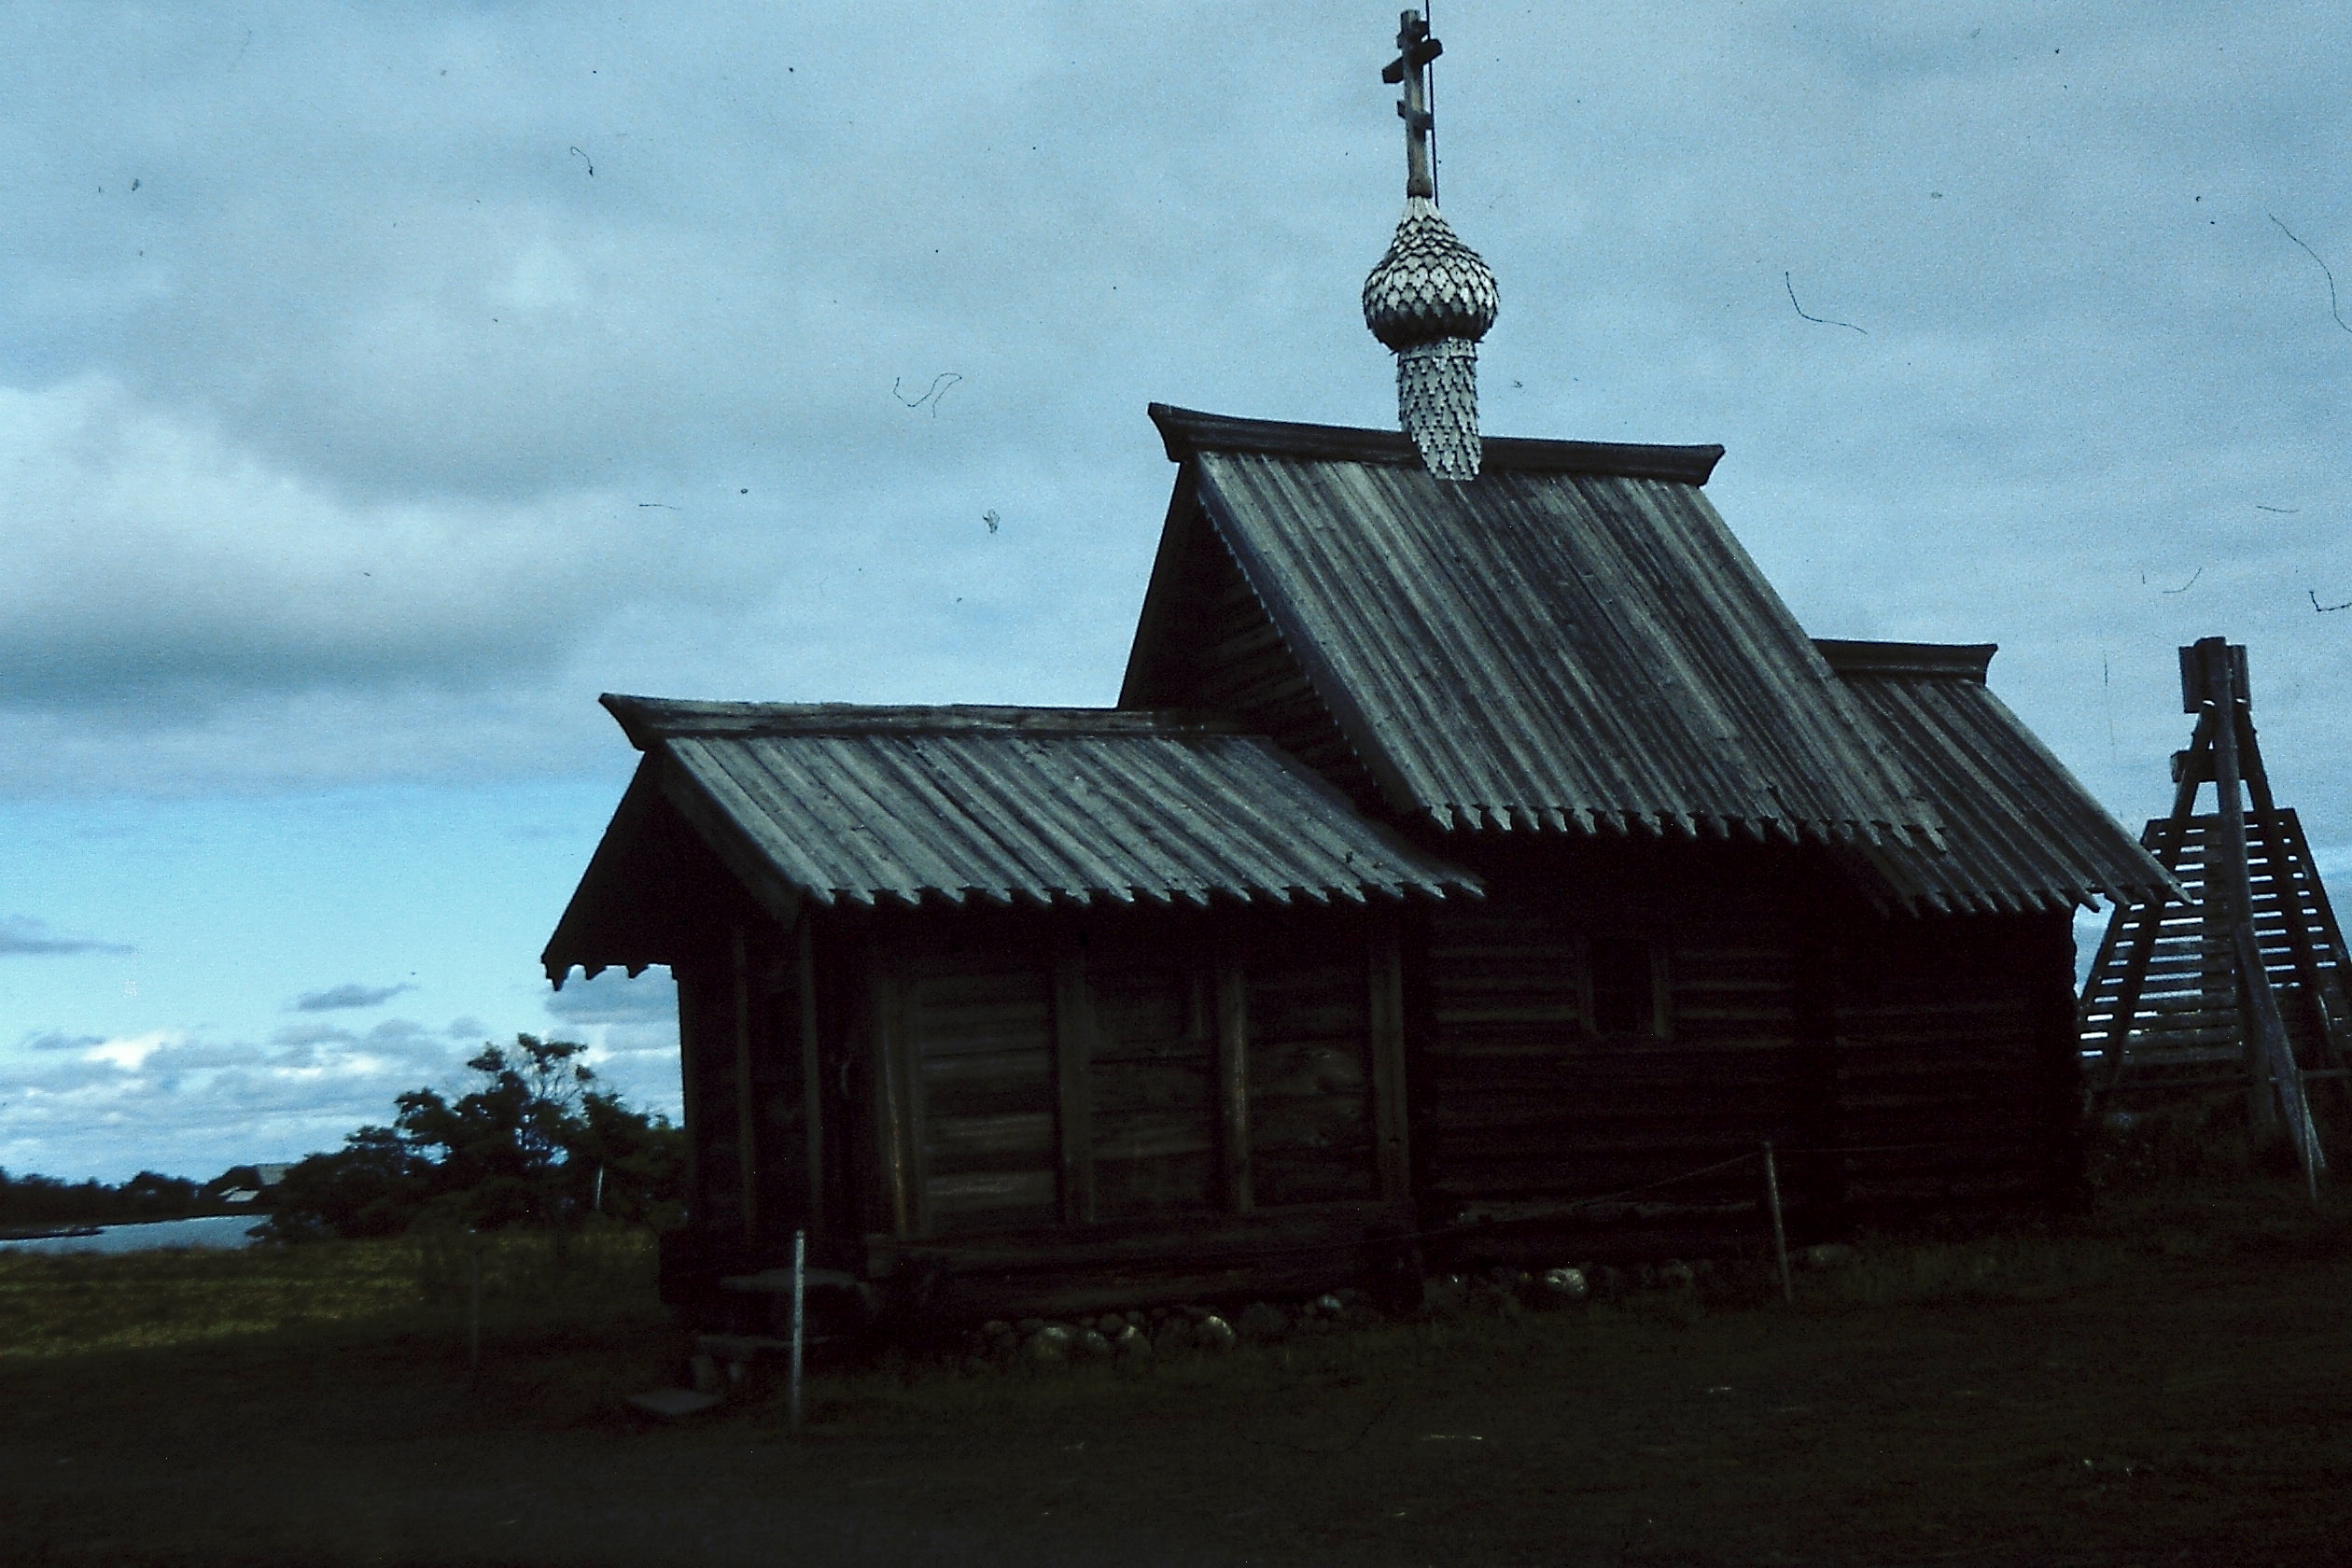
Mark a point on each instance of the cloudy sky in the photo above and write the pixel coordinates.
(380, 383)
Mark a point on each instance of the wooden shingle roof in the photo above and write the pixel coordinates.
(838, 805)
(2020, 831)
(1571, 642)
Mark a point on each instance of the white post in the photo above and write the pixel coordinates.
(1780, 1233)
(800, 1295)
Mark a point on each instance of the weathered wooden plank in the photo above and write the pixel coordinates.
(1152, 1135)
(694, 1117)
(1073, 1056)
(1306, 1069)
(1390, 1113)
(1233, 1083)
(1168, 1185)
(1001, 1080)
(1185, 1084)
(1141, 1012)
(1003, 1196)
(1284, 1176)
(746, 1097)
(969, 1142)
(898, 1137)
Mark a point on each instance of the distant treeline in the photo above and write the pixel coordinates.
(532, 1144)
(28, 1201)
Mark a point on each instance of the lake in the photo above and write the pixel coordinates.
(210, 1230)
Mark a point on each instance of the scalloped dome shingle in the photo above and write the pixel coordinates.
(1430, 285)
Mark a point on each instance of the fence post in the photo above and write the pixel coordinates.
(1780, 1232)
(800, 1298)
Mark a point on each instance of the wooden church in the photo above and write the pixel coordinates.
(1480, 864)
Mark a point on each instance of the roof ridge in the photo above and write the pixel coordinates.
(1944, 661)
(647, 719)
(1187, 431)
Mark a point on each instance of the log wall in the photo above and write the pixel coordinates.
(1154, 1075)
(1527, 1100)
(994, 1085)
(1076, 1071)
(1957, 1072)
(1310, 1100)
(1891, 1062)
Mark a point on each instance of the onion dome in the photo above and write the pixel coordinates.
(1430, 285)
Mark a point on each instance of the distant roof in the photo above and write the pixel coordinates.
(1573, 641)
(846, 804)
(2021, 831)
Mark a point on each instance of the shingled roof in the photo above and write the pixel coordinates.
(2020, 831)
(1573, 641)
(841, 804)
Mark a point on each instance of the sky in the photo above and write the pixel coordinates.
(379, 383)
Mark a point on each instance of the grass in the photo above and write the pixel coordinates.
(69, 1304)
(2161, 1379)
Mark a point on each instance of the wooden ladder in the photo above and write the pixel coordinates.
(2247, 983)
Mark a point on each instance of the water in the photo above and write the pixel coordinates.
(211, 1230)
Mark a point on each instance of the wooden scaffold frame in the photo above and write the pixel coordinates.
(2247, 983)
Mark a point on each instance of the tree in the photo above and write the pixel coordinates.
(521, 1148)
(374, 1185)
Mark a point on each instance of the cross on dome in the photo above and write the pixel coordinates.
(1415, 49)
(1431, 299)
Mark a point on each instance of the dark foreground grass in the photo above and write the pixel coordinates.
(2169, 1381)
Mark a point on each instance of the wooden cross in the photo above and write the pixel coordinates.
(1415, 49)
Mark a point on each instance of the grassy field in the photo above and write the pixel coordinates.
(2168, 1380)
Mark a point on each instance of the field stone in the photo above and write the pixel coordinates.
(1676, 1274)
(1560, 1286)
(1050, 1344)
(1212, 1333)
(1132, 1344)
(1093, 1345)
(1173, 1337)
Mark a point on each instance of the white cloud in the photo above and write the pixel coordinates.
(131, 1054)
